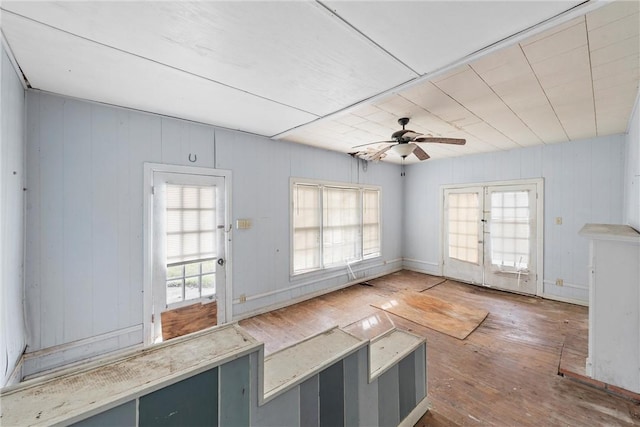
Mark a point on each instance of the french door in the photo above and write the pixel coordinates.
(491, 235)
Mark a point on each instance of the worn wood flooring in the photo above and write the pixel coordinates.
(505, 373)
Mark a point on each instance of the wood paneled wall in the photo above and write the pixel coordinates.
(85, 214)
(12, 179)
(632, 170)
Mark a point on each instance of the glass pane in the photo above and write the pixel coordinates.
(174, 272)
(192, 288)
(208, 266)
(510, 229)
(174, 291)
(463, 213)
(306, 227)
(208, 285)
(192, 269)
(341, 225)
(190, 222)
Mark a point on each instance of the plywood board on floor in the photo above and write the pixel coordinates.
(449, 318)
(407, 280)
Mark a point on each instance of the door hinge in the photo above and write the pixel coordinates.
(153, 318)
(153, 190)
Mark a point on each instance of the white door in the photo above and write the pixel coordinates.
(491, 235)
(462, 217)
(188, 243)
(510, 234)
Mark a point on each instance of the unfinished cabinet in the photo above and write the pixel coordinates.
(614, 305)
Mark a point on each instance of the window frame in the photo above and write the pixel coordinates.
(321, 184)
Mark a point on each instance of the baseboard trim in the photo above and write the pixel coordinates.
(565, 299)
(310, 295)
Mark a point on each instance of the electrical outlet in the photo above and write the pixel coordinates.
(559, 282)
(243, 299)
(558, 220)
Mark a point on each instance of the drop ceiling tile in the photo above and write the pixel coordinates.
(76, 67)
(513, 69)
(464, 86)
(578, 119)
(614, 32)
(521, 92)
(556, 44)
(618, 50)
(614, 68)
(611, 12)
(631, 76)
(434, 100)
(563, 69)
(491, 136)
(542, 120)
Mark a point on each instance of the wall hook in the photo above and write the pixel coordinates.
(195, 157)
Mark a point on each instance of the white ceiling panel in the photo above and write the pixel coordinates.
(76, 67)
(292, 52)
(428, 35)
(612, 12)
(557, 43)
(614, 32)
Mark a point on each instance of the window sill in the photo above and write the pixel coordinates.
(202, 300)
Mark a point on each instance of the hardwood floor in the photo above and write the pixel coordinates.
(504, 374)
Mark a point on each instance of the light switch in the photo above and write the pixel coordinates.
(243, 224)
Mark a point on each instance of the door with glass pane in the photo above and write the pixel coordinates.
(491, 235)
(188, 243)
(510, 238)
(463, 255)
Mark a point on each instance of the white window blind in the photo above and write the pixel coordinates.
(306, 227)
(463, 226)
(341, 226)
(190, 223)
(370, 223)
(510, 229)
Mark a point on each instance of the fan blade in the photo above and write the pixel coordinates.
(420, 153)
(379, 154)
(457, 141)
(371, 143)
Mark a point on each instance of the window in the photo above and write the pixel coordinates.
(333, 225)
(190, 240)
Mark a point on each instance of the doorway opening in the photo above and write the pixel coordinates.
(492, 234)
(186, 250)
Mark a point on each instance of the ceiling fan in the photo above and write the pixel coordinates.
(404, 142)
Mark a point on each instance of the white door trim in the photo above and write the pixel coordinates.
(147, 222)
(539, 183)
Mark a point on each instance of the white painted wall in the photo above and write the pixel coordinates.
(583, 184)
(84, 217)
(12, 172)
(632, 171)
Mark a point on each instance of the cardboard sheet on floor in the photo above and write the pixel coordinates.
(449, 318)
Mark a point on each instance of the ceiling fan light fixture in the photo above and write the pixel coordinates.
(403, 150)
